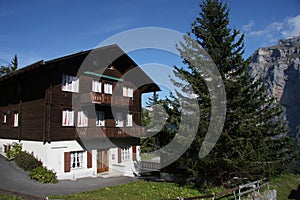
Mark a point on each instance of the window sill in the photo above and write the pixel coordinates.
(77, 168)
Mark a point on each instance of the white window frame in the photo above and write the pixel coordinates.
(70, 83)
(76, 160)
(127, 91)
(108, 88)
(119, 119)
(67, 118)
(82, 119)
(125, 154)
(96, 86)
(16, 119)
(100, 121)
(129, 119)
(4, 118)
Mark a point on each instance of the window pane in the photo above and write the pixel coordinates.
(119, 120)
(16, 119)
(67, 118)
(129, 120)
(70, 83)
(96, 86)
(100, 121)
(82, 119)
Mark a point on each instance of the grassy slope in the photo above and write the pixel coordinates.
(284, 185)
(153, 190)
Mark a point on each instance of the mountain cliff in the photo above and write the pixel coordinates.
(279, 66)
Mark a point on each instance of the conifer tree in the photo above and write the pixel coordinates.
(10, 67)
(253, 143)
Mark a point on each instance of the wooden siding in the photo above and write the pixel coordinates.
(35, 93)
(31, 121)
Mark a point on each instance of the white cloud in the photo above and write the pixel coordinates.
(278, 30)
(293, 26)
(248, 27)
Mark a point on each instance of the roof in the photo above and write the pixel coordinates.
(115, 49)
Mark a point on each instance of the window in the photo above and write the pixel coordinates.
(129, 120)
(76, 159)
(70, 83)
(127, 92)
(113, 156)
(125, 154)
(100, 121)
(96, 86)
(4, 118)
(82, 119)
(108, 88)
(68, 118)
(119, 120)
(16, 119)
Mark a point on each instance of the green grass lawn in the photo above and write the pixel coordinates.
(159, 190)
(136, 190)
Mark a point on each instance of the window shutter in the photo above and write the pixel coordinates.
(89, 159)
(67, 161)
(134, 153)
(119, 155)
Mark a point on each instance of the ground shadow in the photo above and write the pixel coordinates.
(295, 194)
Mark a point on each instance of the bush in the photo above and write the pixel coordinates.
(14, 150)
(43, 175)
(27, 161)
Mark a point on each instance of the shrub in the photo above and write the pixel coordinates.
(14, 150)
(43, 175)
(27, 161)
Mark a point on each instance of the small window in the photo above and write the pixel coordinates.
(125, 154)
(76, 159)
(108, 88)
(70, 83)
(68, 118)
(100, 121)
(96, 86)
(16, 119)
(113, 156)
(82, 120)
(119, 120)
(129, 120)
(4, 118)
(127, 92)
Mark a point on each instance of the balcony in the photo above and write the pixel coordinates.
(107, 99)
(110, 132)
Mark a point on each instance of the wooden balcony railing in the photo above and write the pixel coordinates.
(110, 132)
(115, 132)
(108, 99)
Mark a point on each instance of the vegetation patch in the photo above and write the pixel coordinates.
(43, 175)
(27, 161)
(31, 164)
(284, 185)
(14, 150)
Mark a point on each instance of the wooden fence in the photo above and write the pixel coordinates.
(236, 192)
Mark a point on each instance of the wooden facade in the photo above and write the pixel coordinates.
(33, 99)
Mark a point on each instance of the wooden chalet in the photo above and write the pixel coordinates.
(81, 98)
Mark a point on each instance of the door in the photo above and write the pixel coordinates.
(102, 161)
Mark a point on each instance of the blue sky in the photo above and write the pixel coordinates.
(36, 30)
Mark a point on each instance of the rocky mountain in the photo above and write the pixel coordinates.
(279, 66)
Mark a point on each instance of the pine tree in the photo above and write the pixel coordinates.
(253, 143)
(153, 121)
(9, 68)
